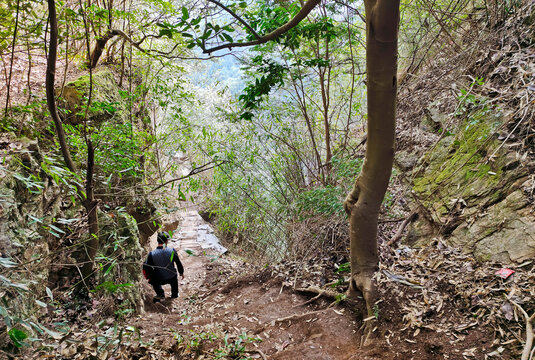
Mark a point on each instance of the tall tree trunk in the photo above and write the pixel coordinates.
(89, 202)
(49, 83)
(364, 201)
(12, 57)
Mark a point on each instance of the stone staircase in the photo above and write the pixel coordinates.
(195, 234)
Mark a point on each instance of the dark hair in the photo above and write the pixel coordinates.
(163, 237)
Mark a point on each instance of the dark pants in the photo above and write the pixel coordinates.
(157, 286)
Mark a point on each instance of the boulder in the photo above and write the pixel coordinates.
(472, 191)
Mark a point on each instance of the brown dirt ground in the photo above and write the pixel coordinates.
(227, 297)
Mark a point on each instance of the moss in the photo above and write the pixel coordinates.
(458, 166)
(106, 101)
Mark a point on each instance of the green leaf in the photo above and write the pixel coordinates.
(190, 252)
(54, 233)
(110, 268)
(56, 335)
(57, 229)
(40, 303)
(185, 13)
(8, 282)
(67, 221)
(181, 195)
(5, 314)
(227, 37)
(17, 336)
(35, 219)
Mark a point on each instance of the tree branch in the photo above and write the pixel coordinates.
(237, 17)
(402, 227)
(192, 172)
(305, 10)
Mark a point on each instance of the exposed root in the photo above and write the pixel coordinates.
(264, 357)
(366, 284)
(295, 317)
(310, 301)
(320, 292)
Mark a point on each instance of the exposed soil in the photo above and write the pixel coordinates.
(222, 296)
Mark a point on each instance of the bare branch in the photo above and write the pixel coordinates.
(351, 8)
(402, 227)
(237, 17)
(192, 172)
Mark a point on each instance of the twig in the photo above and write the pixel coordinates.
(192, 172)
(402, 227)
(303, 13)
(529, 333)
(233, 14)
(261, 353)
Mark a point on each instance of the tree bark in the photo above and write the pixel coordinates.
(91, 206)
(364, 201)
(49, 84)
(12, 58)
(89, 201)
(99, 47)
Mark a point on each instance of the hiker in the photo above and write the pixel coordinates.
(159, 268)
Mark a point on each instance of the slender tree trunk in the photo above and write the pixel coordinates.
(300, 89)
(89, 201)
(91, 207)
(364, 201)
(12, 57)
(50, 80)
(326, 124)
(90, 204)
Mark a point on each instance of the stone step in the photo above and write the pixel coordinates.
(189, 244)
(187, 234)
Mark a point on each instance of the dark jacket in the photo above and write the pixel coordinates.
(160, 264)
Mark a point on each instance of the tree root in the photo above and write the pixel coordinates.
(320, 292)
(365, 282)
(264, 357)
(295, 316)
(528, 352)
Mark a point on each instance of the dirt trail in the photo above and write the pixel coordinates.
(221, 296)
(225, 304)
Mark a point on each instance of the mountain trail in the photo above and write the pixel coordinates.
(224, 297)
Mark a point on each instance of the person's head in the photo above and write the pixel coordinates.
(163, 237)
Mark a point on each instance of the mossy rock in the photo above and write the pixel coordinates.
(459, 180)
(119, 240)
(106, 101)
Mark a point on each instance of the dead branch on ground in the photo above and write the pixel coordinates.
(402, 227)
(529, 332)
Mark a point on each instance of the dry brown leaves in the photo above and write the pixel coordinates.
(448, 292)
